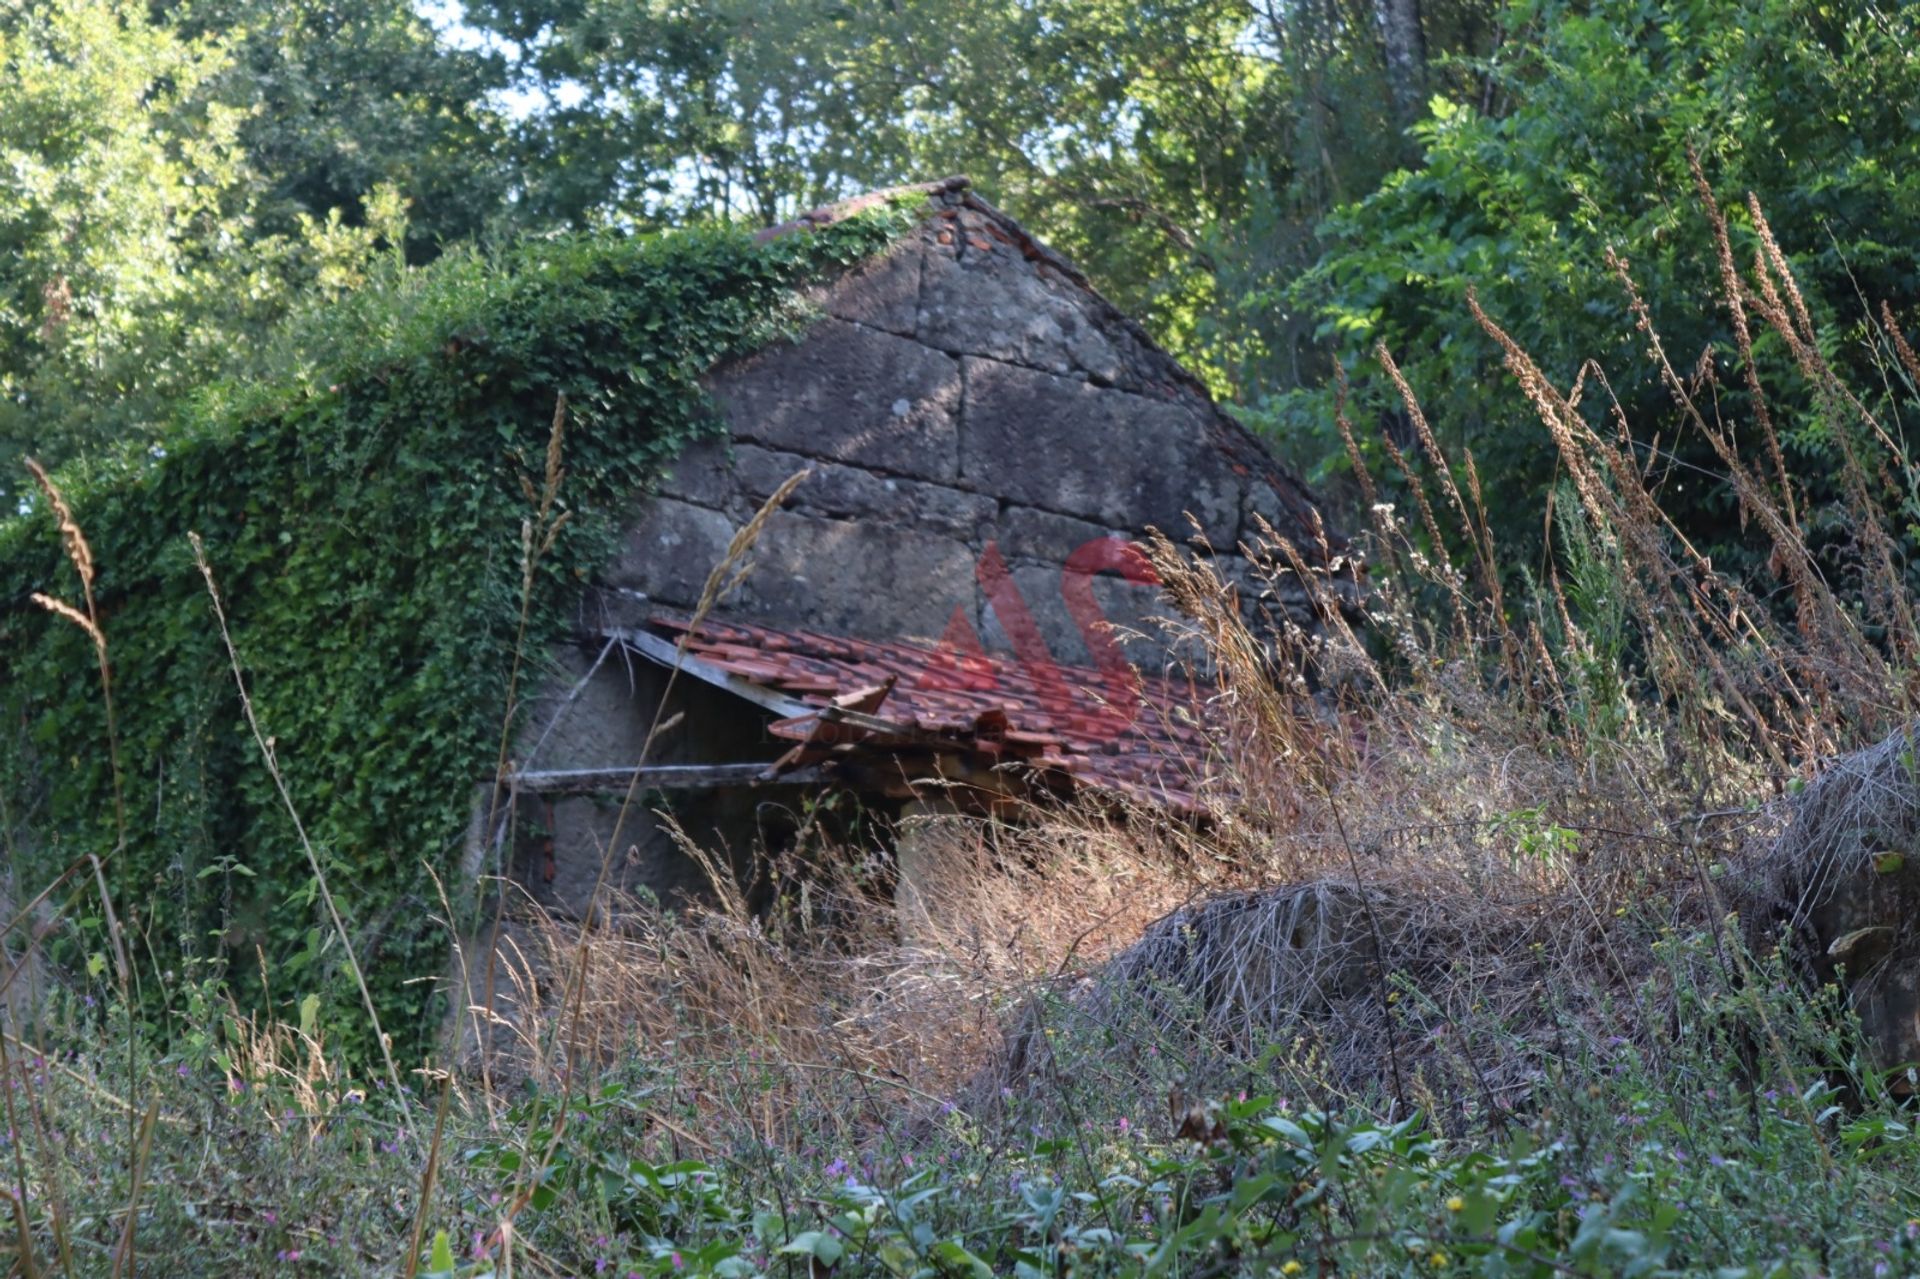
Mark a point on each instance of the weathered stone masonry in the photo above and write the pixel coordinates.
(969, 390)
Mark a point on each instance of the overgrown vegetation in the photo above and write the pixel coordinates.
(366, 515)
(1805, 107)
(1519, 1032)
(1495, 956)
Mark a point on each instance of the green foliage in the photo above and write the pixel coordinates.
(136, 262)
(1681, 1156)
(340, 100)
(362, 510)
(1684, 1157)
(1809, 106)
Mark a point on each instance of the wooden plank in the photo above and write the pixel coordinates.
(585, 781)
(668, 654)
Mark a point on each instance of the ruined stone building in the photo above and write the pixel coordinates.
(948, 601)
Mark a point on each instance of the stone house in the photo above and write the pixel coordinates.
(945, 601)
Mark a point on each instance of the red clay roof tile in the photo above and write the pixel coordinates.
(1127, 734)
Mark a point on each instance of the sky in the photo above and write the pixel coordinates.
(519, 102)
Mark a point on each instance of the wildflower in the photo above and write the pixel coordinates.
(1292, 1268)
(1123, 1125)
(1437, 1260)
(182, 1070)
(677, 1263)
(836, 1169)
(1456, 1204)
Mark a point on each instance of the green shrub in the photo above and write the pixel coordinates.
(1808, 106)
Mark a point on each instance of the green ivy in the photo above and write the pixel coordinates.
(362, 508)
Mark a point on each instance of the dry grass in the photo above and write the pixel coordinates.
(821, 1000)
(1448, 826)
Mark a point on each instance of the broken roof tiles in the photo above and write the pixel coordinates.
(1132, 735)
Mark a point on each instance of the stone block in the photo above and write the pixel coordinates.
(991, 302)
(859, 578)
(883, 293)
(848, 492)
(581, 716)
(1123, 609)
(850, 394)
(670, 551)
(1107, 456)
(1024, 533)
(702, 474)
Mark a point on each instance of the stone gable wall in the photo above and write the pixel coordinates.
(967, 390)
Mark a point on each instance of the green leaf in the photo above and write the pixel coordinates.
(817, 1244)
(309, 1014)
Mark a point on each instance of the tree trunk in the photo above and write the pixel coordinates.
(1406, 50)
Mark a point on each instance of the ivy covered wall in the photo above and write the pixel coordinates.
(362, 508)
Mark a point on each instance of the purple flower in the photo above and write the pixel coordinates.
(1123, 1125)
(677, 1263)
(182, 1070)
(837, 1168)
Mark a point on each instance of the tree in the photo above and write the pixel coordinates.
(341, 97)
(1165, 145)
(1404, 42)
(1808, 106)
(136, 262)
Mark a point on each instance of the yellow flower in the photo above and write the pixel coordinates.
(1456, 1204)
(1438, 1259)
(1292, 1268)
